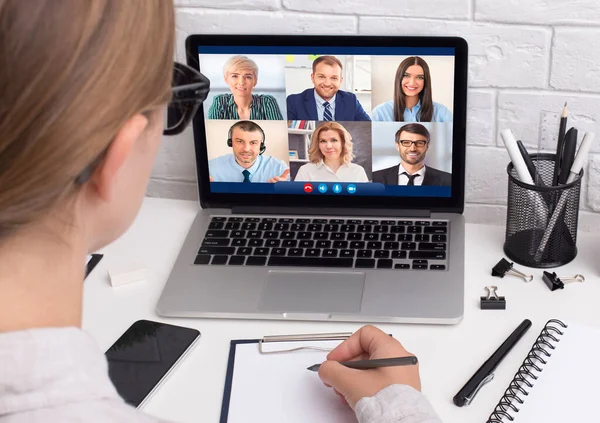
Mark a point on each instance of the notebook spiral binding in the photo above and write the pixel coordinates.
(533, 364)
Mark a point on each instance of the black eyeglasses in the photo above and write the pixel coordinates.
(190, 89)
(408, 143)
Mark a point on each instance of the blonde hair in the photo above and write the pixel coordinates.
(72, 73)
(314, 152)
(240, 62)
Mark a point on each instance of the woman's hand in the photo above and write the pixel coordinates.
(367, 343)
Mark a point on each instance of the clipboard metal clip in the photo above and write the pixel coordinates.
(340, 336)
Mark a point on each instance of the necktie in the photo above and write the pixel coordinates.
(246, 175)
(327, 111)
(411, 178)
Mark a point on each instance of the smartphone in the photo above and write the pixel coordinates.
(142, 358)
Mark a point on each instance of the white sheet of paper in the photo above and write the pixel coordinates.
(272, 388)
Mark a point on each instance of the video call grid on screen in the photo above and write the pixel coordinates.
(283, 90)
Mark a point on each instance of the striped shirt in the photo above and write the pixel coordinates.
(262, 107)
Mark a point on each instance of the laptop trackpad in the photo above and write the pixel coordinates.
(312, 292)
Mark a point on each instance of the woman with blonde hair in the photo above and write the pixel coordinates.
(241, 75)
(330, 154)
(78, 137)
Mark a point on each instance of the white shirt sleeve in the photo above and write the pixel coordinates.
(396, 404)
(303, 174)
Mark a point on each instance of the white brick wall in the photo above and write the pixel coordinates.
(526, 58)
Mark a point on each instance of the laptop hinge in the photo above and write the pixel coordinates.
(331, 211)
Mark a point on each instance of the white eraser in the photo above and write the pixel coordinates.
(127, 273)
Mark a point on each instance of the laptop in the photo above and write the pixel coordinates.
(312, 211)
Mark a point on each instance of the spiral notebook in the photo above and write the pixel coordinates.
(558, 380)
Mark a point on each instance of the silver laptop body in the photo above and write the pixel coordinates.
(410, 271)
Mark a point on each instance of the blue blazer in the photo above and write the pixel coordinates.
(304, 107)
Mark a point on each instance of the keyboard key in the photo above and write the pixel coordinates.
(419, 266)
(319, 221)
(422, 223)
(357, 245)
(255, 243)
(320, 235)
(402, 266)
(340, 244)
(219, 260)
(381, 254)
(399, 254)
(404, 222)
(330, 252)
(310, 261)
(287, 235)
(255, 234)
(405, 237)
(269, 220)
(314, 228)
(244, 251)
(353, 222)
(295, 252)
(261, 251)
(414, 230)
(296, 227)
(380, 229)
(236, 260)
(289, 243)
(336, 221)
(436, 230)
(202, 259)
(371, 222)
(422, 238)
(438, 238)
(249, 226)
(306, 243)
(388, 222)
(436, 246)
(256, 261)
(364, 228)
(238, 234)
(215, 225)
(409, 246)
(347, 228)
(232, 225)
(330, 228)
(216, 250)
(375, 245)
(364, 253)
(398, 229)
(235, 219)
(440, 223)
(218, 219)
(323, 244)
(216, 242)
(384, 264)
(238, 242)
(364, 263)
(304, 235)
(437, 267)
(347, 253)
(271, 235)
(252, 219)
(371, 237)
(391, 245)
(388, 237)
(286, 220)
(281, 227)
(420, 262)
(265, 226)
(216, 234)
(338, 236)
(431, 255)
(354, 236)
(278, 251)
(312, 252)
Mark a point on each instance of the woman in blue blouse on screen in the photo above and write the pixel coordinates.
(412, 96)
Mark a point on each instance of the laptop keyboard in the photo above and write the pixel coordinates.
(319, 242)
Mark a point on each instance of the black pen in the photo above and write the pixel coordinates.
(484, 374)
(560, 144)
(373, 364)
(537, 180)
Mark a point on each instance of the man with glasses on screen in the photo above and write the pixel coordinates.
(412, 142)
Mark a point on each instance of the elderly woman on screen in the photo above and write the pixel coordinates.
(241, 74)
(330, 155)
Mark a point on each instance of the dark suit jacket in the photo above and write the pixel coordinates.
(304, 107)
(433, 176)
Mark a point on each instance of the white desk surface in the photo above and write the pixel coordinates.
(448, 355)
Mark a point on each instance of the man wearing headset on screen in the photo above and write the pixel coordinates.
(247, 163)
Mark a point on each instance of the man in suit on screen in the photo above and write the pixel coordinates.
(412, 142)
(325, 101)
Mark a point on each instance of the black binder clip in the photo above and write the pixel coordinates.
(492, 301)
(504, 267)
(554, 282)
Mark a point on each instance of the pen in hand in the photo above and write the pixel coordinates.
(373, 364)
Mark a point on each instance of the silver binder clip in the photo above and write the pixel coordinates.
(340, 336)
(504, 267)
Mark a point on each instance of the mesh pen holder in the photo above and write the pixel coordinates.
(541, 220)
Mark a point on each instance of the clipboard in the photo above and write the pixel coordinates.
(267, 380)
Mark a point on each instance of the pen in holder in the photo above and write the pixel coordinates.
(549, 238)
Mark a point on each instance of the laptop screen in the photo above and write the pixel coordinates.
(329, 120)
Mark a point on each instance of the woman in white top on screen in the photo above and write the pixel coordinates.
(412, 96)
(78, 137)
(330, 155)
